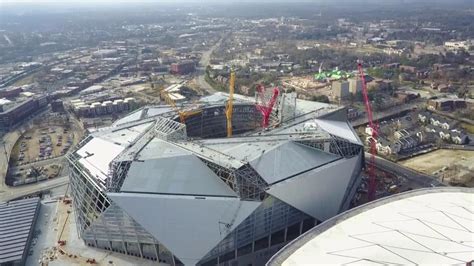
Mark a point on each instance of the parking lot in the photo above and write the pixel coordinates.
(42, 143)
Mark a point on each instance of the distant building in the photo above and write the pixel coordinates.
(107, 107)
(340, 89)
(406, 95)
(10, 92)
(92, 89)
(353, 113)
(409, 69)
(57, 106)
(183, 68)
(447, 104)
(457, 45)
(355, 85)
(17, 113)
(105, 53)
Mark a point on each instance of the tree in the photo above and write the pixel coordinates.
(320, 98)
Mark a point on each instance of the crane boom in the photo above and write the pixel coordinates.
(230, 104)
(182, 114)
(373, 148)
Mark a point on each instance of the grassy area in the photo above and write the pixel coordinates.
(25, 81)
(469, 128)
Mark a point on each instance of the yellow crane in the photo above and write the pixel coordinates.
(182, 114)
(230, 103)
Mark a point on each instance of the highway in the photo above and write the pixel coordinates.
(383, 114)
(10, 193)
(417, 178)
(203, 63)
(6, 145)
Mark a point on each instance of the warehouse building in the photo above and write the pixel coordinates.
(17, 222)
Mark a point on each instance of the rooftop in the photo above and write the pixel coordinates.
(17, 220)
(427, 226)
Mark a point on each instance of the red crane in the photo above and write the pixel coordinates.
(373, 127)
(266, 107)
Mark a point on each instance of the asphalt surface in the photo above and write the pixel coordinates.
(201, 70)
(10, 193)
(380, 115)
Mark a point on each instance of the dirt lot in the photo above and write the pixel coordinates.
(442, 163)
(43, 143)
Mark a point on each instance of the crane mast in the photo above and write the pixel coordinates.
(264, 107)
(372, 187)
(230, 104)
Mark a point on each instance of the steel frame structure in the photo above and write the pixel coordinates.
(103, 224)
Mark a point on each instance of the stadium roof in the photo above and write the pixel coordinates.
(183, 174)
(427, 226)
(216, 181)
(16, 224)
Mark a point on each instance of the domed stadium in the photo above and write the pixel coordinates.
(181, 192)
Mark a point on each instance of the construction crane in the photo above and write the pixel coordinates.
(266, 108)
(374, 133)
(229, 109)
(183, 114)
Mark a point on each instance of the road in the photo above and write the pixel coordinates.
(6, 146)
(468, 147)
(201, 70)
(387, 113)
(465, 120)
(420, 179)
(10, 193)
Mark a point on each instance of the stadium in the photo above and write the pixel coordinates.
(430, 226)
(183, 193)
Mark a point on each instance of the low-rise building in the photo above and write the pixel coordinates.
(183, 68)
(457, 45)
(445, 134)
(18, 219)
(459, 137)
(18, 111)
(340, 89)
(355, 85)
(446, 104)
(408, 69)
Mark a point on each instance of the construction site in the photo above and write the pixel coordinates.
(237, 177)
(453, 167)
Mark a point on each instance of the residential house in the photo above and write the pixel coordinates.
(445, 134)
(431, 129)
(424, 117)
(445, 124)
(406, 143)
(445, 88)
(409, 69)
(459, 137)
(384, 147)
(401, 134)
